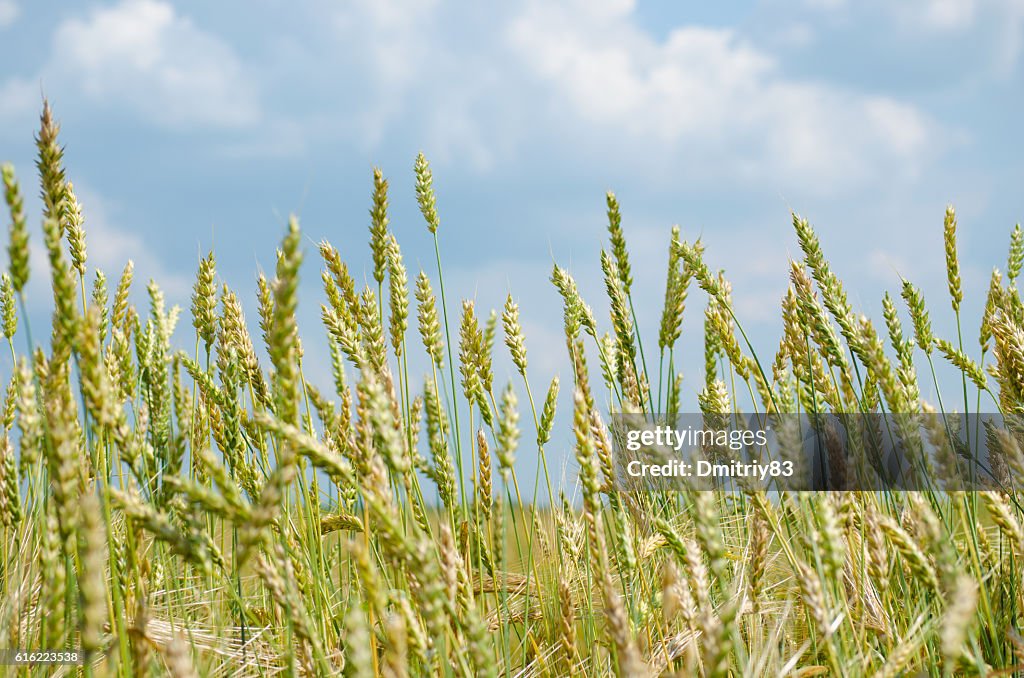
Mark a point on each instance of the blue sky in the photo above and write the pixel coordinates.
(194, 124)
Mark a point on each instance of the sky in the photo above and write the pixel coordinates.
(190, 125)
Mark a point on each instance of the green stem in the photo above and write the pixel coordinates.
(451, 373)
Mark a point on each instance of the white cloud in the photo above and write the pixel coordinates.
(582, 79)
(143, 55)
(396, 28)
(798, 34)
(934, 13)
(825, 4)
(708, 93)
(17, 97)
(1000, 24)
(395, 44)
(9, 12)
(950, 13)
(701, 102)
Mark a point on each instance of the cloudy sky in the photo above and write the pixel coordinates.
(192, 124)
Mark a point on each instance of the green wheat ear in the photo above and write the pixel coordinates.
(547, 418)
(398, 294)
(75, 227)
(49, 163)
(7, 312)
(993, 301)
(100, 297)
(429, 325)
(283, 338)
(832, 292)
(514, 338)
(677, 280)
(952, 260)
(962, 362)
(508, 430)
(17, 249)
(425, 193)
(379, 225)
(204, 301)
(618, 242)
(470, 340)
(919, 315)
(1016, 257)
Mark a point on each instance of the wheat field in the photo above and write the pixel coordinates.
(206, 511)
